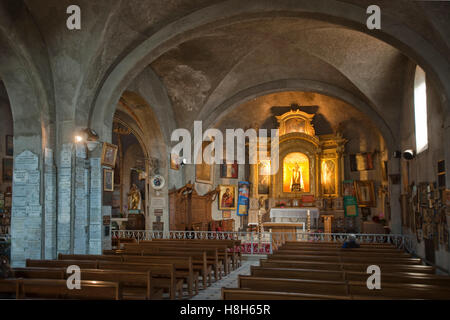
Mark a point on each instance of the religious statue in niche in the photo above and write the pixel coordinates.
(296, 173)
(297, 179)
(134, 199)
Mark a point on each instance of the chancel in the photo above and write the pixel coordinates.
(224, 149)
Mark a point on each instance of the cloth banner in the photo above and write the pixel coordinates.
(243, 199)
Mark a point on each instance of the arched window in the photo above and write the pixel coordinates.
(420, 110)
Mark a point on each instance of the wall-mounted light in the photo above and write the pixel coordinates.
(89, 137)
(408, 154)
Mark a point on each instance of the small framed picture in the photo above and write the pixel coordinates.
(108, 180)
(7, 169)
(174, 161)
(109, 154)
(9, 145)
(227, 197)
(229, 171)
(365, 193)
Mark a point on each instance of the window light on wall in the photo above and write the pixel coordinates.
(420, 110)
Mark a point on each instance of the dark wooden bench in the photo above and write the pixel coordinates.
(359, 267)
(183, 265)
(164, 274)
(246, 294)
(309, 274)
(57, 289)
(340, 259)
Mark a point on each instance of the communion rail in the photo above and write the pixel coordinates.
(267, 242)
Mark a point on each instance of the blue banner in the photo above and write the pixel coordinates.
(243, 199)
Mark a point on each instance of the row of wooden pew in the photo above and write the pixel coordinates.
(318, 270)
(146, 270)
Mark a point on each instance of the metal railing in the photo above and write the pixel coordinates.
(267, 242)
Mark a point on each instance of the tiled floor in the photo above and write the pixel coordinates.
(213, 292)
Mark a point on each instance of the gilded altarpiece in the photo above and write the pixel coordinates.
(308, 164)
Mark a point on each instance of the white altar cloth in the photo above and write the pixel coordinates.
(296, 213)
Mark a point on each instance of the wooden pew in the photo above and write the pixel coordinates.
(356, 290)
(359, 267)
(337, 288)
(199, 256)
(134, 285)
(211, 250)
(163, 274)
(62, 263)
(183, 268)
(39, 273)
(231, 245)
(342, 252)
(339, 259)
(246, 294)
(328, 275)
(359, 290)
(183, 265)
(57, 289)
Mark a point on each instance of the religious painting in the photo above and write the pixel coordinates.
(294, 125)
(174, 161)
(227, 197)
(226, 214)
(263, 177)
(229, 171)
(348, 188)
(7, 169)
(243, 198)
(296, 173)
(361, 162)
(203, 171)
(423, 190)
(109, 154)
(365, 193)
(329, 177)
(108, 180)
(9, 145)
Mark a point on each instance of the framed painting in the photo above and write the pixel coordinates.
(229, 171)
(174, 161)
(329, 177)
(109, 154)
(348, 188)
(365, 193)
(227, 197)
(9, 145)
(263, 177)
(203, 171)
(7, 169)
(108, 180)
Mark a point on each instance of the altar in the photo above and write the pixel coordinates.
(295, 215)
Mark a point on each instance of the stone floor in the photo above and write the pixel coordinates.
(213, 292)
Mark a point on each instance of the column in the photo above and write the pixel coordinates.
(26, 213)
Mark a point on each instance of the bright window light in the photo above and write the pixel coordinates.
(420, 110)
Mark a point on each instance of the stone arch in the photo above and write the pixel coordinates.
(32, 106)
(303, 85)
(398, 35)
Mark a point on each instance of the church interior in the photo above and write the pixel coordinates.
(93, 97)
